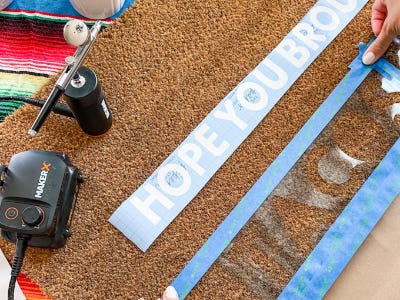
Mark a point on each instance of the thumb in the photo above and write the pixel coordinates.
(379, 46)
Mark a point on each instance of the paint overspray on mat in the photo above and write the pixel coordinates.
(334, 251)
(321, 183)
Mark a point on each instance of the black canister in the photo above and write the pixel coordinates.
(86, 99)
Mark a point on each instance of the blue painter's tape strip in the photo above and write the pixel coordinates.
(150, 209)
(239, 216)
(337, 247)
(339, 244)
(225, 233)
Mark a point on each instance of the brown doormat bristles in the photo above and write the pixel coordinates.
(164, 65)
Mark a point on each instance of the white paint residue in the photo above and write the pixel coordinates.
(393, 85)
(353, 161)
(390, 86)
(395, 110)
(398, 56)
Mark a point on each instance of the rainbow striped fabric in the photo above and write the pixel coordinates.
(32, 48)
(30, 289)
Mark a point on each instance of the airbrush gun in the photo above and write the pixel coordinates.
(79, 85)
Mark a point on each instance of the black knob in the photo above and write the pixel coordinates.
(32, 215)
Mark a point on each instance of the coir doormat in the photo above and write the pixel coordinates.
(164, 67)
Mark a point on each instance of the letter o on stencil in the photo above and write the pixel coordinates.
(182, 179)
(242, 94)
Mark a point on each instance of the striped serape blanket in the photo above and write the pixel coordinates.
(32, 46)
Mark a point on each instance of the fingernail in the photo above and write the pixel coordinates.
(170, 294)
(368, 58)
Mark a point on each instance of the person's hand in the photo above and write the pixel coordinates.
(385, 22)
(169, 294)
